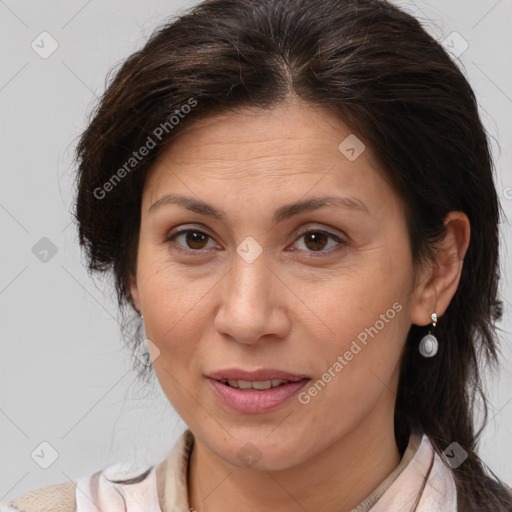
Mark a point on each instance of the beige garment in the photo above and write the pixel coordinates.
(53, 498)
(421, 472)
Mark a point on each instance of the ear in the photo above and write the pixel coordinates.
(134, 290)
(439, 281)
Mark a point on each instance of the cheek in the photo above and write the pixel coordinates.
(166, 292)
(354, 300)
(365, 323)
(172, 324)
(359, 363)
(169, 309)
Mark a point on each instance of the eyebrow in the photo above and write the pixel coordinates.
(281, 214)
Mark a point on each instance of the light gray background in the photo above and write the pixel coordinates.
(64, 373)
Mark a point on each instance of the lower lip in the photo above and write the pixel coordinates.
(256, 401)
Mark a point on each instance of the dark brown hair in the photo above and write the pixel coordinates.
(393, 85)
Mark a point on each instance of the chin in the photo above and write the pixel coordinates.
(259, 452)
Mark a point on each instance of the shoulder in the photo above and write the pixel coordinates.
(54, 498)
(110, 488)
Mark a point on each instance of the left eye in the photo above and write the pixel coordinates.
(317, 240)
(194, 240)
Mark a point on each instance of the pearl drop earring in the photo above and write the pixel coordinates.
(429, 345)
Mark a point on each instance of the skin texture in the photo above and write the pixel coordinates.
(292, 308)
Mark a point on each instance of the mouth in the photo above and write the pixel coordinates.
(259, 385)
(255, 392)
(265, 374)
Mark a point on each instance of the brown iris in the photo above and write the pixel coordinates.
(194, 237)
(317, 238)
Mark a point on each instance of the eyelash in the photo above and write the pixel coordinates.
(175, 234)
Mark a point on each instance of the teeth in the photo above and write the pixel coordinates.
(265, 384)
(261, 385)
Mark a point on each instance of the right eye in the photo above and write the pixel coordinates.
(193, 240)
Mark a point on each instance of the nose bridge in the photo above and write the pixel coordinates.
(250, 275)
(249, 307)
(250, 281)
(250, 285)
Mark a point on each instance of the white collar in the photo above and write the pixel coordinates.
(423, 484)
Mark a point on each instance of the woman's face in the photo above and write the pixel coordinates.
(319, 297)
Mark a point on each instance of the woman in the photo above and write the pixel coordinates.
(297, 198)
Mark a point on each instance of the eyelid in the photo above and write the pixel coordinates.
(327, 230)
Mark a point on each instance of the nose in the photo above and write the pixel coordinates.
(252, 303)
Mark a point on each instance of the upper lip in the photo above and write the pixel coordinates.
(256, 375)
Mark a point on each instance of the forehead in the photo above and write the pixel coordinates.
(251, 133)
(287, 150)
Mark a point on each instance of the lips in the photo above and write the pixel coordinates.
(257, 375)
(248, 400)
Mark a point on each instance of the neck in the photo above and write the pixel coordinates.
(334, 480)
